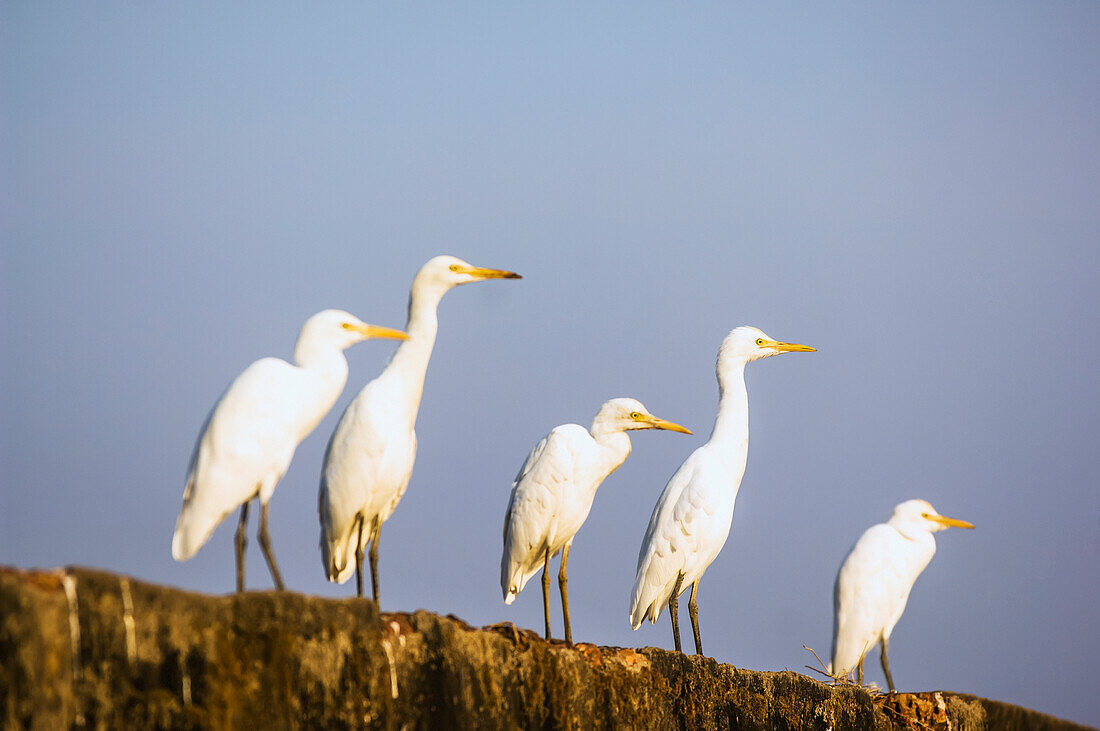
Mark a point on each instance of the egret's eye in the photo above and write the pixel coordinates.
(454, 267)
(635, 415)
(760, 341)
(926, 516)
(347, 326)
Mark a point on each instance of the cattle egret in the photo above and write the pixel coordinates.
(250, 436)
(370, 456)
(692, 518)
(553, 493)
(874, 582)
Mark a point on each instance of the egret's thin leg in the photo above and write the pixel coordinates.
(546, 591)
(376, 533)
(359, 558)
(265, 544)
(859, 670)
(886, 667)
(239, 542)
(673, 605)
(693, 613)
(563, 582)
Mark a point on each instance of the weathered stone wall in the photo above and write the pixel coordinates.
(88, 648)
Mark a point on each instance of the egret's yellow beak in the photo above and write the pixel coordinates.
(376, 331)
(483, 273)
(949, 522)
(787, 347)
(657, 422)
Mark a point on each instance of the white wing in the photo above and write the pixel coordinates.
(367, 467)
(870, 592)
(662, 555)
(534, 505)
(408, 461)
(247, 441)
(528, 463)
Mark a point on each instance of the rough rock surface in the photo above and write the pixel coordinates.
(88, 648)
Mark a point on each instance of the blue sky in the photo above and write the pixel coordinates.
(912, 190)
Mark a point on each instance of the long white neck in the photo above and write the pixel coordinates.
(326, 366)
(913, 531)
(320, 356)
(614, 446)
(730, 437)
(409, 364)
(919, 548)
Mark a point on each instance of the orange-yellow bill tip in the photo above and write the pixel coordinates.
(659, 423)
(376, 331)
(952, 522)
(483, 273)
(793, 348)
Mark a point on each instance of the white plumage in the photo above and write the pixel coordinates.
(873, 584)
(553, 493)
(370, 456)
(692, 518)
(250, 435)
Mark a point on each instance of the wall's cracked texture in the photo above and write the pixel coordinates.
(154, 657)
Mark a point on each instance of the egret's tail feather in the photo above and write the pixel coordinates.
(192, 532)
(511, 584)
(336, 554)
(638, 615)
(338, 540)
(513, 578)
(329, 559)
(638, 612)
(642, 608)
(180, 552)
(344, 573)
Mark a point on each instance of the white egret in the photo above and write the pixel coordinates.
(250, 435)
(692, 518)
(553, 493)
(370, 456)
(874, 582)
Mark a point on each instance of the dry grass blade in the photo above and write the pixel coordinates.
(833, 680)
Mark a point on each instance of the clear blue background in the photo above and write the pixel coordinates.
(911, 188)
